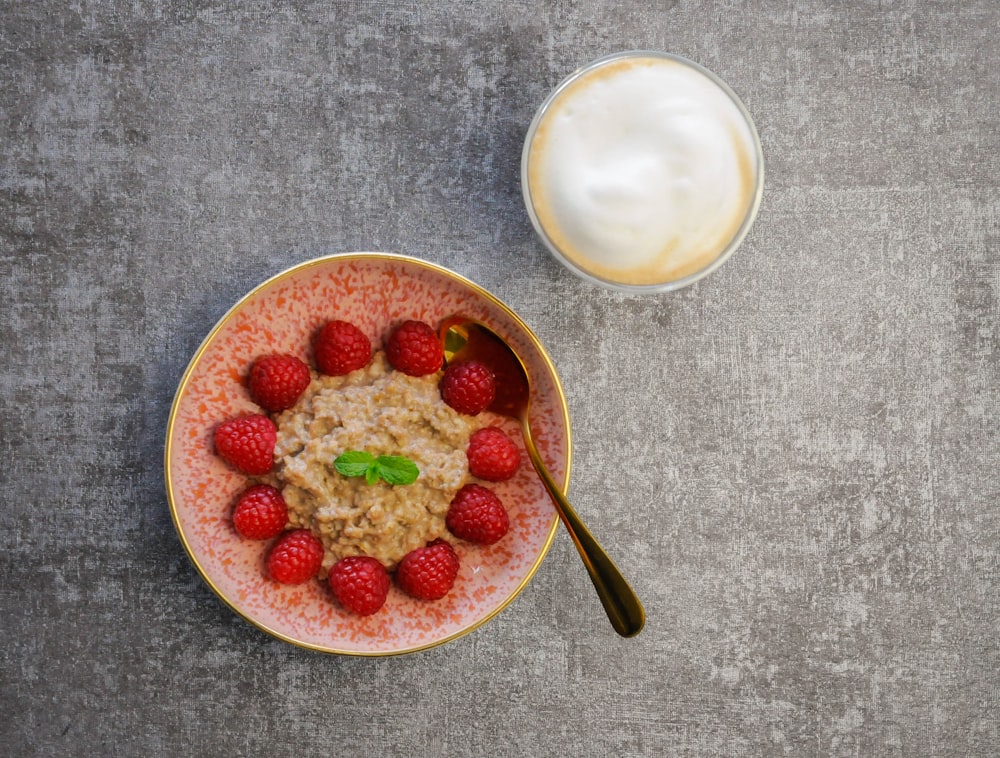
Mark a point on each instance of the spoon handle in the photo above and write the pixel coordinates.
(622, 605)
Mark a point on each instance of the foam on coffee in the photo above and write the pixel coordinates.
(642, 171)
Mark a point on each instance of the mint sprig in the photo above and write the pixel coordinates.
(394, 469)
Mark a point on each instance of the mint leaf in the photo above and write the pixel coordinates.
(396, 469)
(355, 463)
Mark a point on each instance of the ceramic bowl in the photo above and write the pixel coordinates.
(374, 291)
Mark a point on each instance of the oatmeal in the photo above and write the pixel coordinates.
(382, 412)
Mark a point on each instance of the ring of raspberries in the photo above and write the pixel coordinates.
(361, 584)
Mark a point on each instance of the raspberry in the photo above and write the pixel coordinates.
(428, 573)
(360, 584)
(414, 349)
(247, 443)
(492, 455)
(477, 515)
(468, 387)
(277, 381)
(295, 557)
(340, 348)
(260, 513)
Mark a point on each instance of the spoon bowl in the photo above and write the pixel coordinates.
(465, 339)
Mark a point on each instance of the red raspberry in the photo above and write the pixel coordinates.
(360, 584)
(340, 348)
(247, 443)
(260, 513)
(492, 455)
(414, 348)
(477, 515)
(468, 387)
(428, 573)
(277, 381)
(295, 557)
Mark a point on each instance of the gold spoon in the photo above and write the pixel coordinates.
(465, 339)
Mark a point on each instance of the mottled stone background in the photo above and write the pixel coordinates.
(796, 460)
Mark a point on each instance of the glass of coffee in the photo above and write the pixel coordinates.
(642, 172)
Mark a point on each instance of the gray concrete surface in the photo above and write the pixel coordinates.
(796, 460)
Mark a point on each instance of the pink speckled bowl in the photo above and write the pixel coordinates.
(374, 291)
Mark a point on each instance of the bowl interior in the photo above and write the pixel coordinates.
(374, 291)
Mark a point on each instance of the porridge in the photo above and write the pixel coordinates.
(382, 412)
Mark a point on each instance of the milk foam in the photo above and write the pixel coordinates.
(642, 171)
